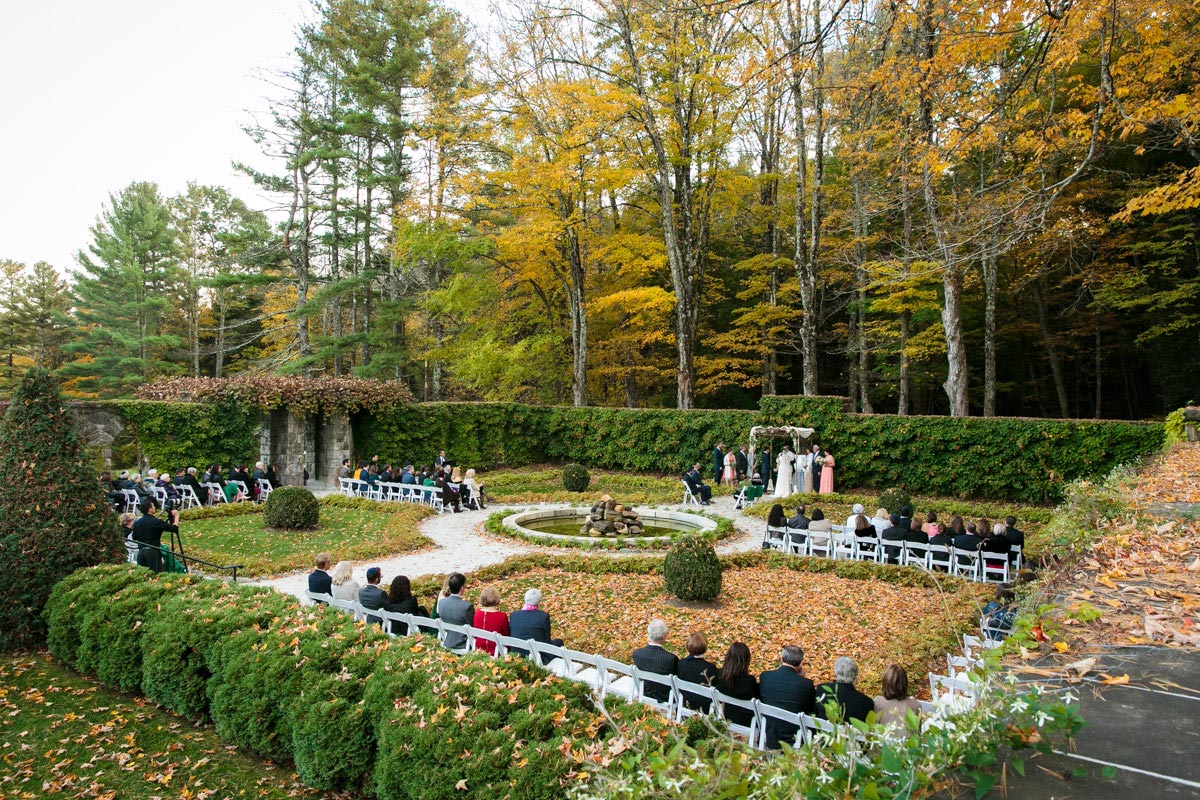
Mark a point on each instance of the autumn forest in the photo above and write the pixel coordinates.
(929, 206)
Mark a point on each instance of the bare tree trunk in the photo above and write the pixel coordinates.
(1060, 388)
(990, 274)
(1099, 372)
(906, 246)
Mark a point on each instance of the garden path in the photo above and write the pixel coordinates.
(460, 544)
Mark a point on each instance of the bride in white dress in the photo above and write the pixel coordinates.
(783, 481)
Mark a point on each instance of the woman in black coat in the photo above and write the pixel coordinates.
(736, 681)
(402, 601)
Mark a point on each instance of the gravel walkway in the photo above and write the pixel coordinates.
(459, 544)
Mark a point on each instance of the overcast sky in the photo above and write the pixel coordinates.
(96, 95)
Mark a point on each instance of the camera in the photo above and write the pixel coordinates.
(170, 504)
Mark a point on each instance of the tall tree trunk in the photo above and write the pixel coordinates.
(990, 274)
(1099, 371)
(906, 249)
(1060, 387)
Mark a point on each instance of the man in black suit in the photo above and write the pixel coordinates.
(702, 492)
(968, 541)
(765, 465)
(441, 459)
(1013, 535)
(852, 704)
(531, 623)
(786, 688)
(742, 463)
(148, 531)
(319, 581)
(656, 658)
(917, 540)
(816, 453)
(898, 532)
(798, 523)
(718, 462)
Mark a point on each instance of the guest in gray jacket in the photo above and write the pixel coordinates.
(455, 610)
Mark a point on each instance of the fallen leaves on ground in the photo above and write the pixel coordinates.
(64, 736)
(1173, 478)
(873, 622)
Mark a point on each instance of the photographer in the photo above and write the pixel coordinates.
(148, 531)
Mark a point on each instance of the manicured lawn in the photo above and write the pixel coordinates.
(346, 533)
(874, 622)
(64, 736)
(544, 485)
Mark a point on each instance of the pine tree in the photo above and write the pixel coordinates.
(123, 296)
(48, 532)
(42, 317)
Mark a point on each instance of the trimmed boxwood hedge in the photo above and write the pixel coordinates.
(355, 709)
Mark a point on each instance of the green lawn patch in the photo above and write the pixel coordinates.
(350, 529)
(66, 736)
(544, 484)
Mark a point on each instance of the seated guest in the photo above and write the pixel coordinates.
(819, 528)
(454, 481)
(272, 478)
(702, 492)
(656, 658)
(233, 492)
(260, 471)
(776, 517)
(983, 527)
(866, 535)
(372, 597)
(450, 496)
(917, 539)
(930, 526)
(898, 532)
(799, 521)
(406, 475)
(736, 681)
(852, 521)
(342, 580)
(957, 526)
(892, 707)
(943, 537)
(402, 601)
(531, 623)
(475, 487)
(996, 547)
(240, 474)
(968, 541)
(882, 521)
(344, 471)
(786, 687)
(489, 617)
(851, 703)
(1014, 536)
(122, 481)
(319, 580)
(427, 475)
(696, 669)
(1000, 613)
(454, 609)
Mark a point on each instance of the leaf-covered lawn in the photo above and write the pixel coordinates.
(544, 485)
(345, 533)
(875, 623)
(64, 736)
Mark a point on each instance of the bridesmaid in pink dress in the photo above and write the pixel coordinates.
(729, 477)
(827, 474)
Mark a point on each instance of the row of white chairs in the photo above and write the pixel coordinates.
(398, 493)
(842, 545)
(187, 496)
(605, 676)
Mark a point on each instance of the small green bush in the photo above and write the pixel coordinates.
(894, 499)
(292, 508)
(575, 478)
(692, 570)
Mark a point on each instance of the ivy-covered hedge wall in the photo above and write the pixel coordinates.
(476, 434)
(171, 435)
(355, 710)
(1004, 458)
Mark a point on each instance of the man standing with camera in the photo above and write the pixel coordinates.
(148, 531)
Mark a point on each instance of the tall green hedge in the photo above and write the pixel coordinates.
(171, 435)
(355, 710)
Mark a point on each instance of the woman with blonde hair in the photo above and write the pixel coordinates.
(489, 617)
(344, 585)
(475, 487)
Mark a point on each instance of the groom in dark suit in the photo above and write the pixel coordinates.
(743, 464)
(656, 658)
(718, 462)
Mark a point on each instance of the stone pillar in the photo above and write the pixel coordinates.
(292, 458)
(335, 442)
(1191, 424)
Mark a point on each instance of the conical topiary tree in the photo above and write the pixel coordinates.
(54, 518)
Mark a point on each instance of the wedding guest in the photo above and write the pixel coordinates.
(881, 520)
(344, 585)
(827, 473)
(489, 617)
(931, 523)
(852, 703)
(819, 528)
(736, 681)
(402, 601)
(892, 707)
(475, 487)
(696, 669)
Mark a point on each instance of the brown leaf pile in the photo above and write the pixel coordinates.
(873, 622)
(1175, 478)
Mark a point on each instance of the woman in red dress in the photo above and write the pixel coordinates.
(489, 617)
(827, 474)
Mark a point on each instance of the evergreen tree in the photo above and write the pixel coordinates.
(47, 533)
(42, 315)
(123, 296)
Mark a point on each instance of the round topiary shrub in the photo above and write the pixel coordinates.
(291, 507)
(692, 570)
(575, 478)
(894, 500)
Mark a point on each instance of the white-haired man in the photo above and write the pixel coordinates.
(852, 703)
(531, 622)
(656, 658)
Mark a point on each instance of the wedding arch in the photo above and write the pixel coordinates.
(790, 432)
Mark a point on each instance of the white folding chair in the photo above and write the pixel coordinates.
(768, 712)
(619, 679)
(695, 694)
(966, 563)
(346, 486)
(939, 558)
(243, 490)
(465, 630)
(994, 567)
(916, 555)
(433, 627)
(819, 543)
(131, 500)
(160, 495)
(668, 705)
(264, 489)
(187, 496)
(974, 644)
(688, 497)
(552, 657)
(723, 702)
(348, 606)
(795, 541)
(774, 537)
(586, 668)
(216, 495)
(941, 685)
(1017, 557)
(867, 548)
(845, 546)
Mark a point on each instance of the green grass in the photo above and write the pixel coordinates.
(62, 735)
(353, 533)
(544, 485)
